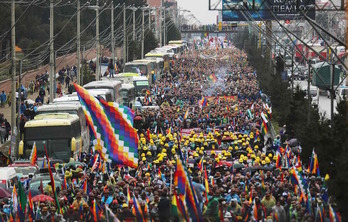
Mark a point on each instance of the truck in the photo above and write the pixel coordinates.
(321, 75)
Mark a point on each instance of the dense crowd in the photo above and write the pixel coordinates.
(210, 114)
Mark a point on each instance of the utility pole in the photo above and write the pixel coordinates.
(292, 72)
(156, 23)
(160, 26)
(268, 41)
(309, 94)
(149, 18)
(83, 63)
(97, 68)
(164, 28)
(19, 92)
(124, 35)
(78, 43)
(143, 34)
(13, 69)
(112, 33)
(332, 93)
(134, 9)
(52, 74)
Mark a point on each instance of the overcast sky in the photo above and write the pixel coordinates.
(200, 8)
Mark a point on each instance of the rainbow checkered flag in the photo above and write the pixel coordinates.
(116, 137)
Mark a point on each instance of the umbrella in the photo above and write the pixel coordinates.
(293, 142)
(42, 198)
(238, 166)
(75, 164)
(4, 193)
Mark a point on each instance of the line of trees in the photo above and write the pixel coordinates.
(291, 109)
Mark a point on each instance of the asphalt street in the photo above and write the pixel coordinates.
(324, 101)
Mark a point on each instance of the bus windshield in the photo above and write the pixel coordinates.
(57, 140)
(136, 68)
(56, 148)
(124, 93)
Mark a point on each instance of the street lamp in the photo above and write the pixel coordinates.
(97, 66)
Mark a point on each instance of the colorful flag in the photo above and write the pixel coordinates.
(334, 217)
(137, 211)
(206, 184)
(320, 214)
(33, 155)
(98, 122)
(297, 178)
(186, 113)
(95, 211)
(200, 164)
(279, 159)
(212, 78)
(14, 201)
(314, 164)
(264, 128)
(30, 205)
(86, 188)
(203, 102)
(185, 188)
(254, 210)
(126, 150)
(128, 195)
(178, 207)
(159, 173)
(118, 139)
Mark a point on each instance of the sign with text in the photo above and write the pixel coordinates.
(260, 10)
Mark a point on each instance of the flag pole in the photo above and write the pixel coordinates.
(171, 180)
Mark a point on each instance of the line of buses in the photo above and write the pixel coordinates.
(61, 126)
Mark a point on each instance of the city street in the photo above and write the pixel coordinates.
(324, 101)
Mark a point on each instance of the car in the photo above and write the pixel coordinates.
(44, 176)
(24, 169)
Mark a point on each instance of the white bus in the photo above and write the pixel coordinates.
(112, 86)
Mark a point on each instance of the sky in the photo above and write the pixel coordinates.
(200, 9)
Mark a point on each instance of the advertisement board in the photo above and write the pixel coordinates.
(260, 10)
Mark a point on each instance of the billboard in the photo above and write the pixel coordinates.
(260, 10)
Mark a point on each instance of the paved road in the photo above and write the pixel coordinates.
(324, 102)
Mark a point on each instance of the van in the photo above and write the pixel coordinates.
(341, 93)
(8, 178)
(314, 91)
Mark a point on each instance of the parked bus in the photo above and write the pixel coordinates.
(112, 86)
(71, 107)
(159, 66)
(144, 67)
(127, 92)
(124, 77)
(61, 133)
(141, 84)
(162, 55)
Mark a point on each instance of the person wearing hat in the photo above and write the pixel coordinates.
(78, 202)
(125, 213)
(269, 202)
(235, 208)
(45, 214)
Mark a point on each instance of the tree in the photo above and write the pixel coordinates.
(173, 32)
(150, 41)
